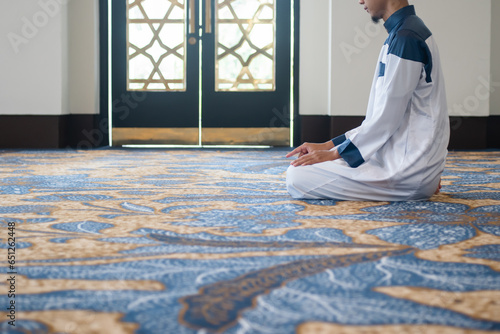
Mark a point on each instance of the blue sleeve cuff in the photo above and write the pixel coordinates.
(350, 153)
(339, 140)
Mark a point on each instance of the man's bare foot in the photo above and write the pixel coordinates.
(438, 188)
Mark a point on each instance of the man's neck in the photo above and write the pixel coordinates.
(393, 6)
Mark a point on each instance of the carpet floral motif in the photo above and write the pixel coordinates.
(207, 241)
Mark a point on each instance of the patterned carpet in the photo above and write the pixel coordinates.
(202, 241)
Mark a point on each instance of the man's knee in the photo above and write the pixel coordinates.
(291, 175)
(294, 182)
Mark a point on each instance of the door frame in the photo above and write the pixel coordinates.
(105, 103)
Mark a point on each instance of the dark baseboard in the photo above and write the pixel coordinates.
(467, 133)
(85, 131)
(493, 132)
(58, 131)
(314, 129)
(30, 131)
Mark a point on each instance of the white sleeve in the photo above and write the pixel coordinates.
(394, 89)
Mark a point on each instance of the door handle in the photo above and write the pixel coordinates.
(192, 16)
(208, 16)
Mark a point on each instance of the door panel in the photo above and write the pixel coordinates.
(154, 86)
(246, 73)
(245, 62)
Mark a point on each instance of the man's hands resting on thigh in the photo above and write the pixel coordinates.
(310, 153)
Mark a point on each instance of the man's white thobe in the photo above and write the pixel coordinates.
(398, 153)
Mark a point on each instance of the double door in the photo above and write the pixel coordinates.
(201, 72)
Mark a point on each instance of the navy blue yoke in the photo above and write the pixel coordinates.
(407, 39)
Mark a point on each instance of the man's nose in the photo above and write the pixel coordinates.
(361, 2)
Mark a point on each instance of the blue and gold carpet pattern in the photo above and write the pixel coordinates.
(207, 241)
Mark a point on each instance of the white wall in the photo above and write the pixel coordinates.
(495, 58)
(31, 72)
(53, 70)
(464, 40)
(315, 49)
(83, 31)
(356, 43)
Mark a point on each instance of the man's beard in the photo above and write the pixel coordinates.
(376, 17)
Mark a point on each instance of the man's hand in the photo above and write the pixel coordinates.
(316, 157)
(307, 148)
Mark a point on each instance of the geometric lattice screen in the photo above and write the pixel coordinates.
(156, 39)
(245, 39)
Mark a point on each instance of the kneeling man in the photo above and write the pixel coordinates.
(399, 151)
